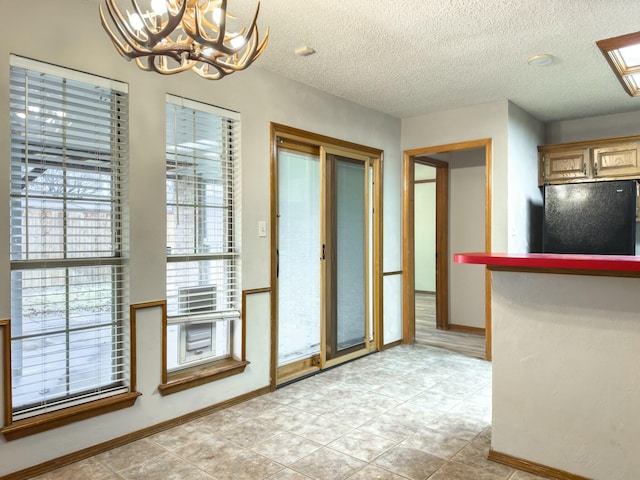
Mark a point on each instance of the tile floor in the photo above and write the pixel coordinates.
(411, 412)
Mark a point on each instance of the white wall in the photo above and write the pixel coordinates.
(466, 124)
(466, 234)
(593, 128)
(525, 197)
(566, 383)
(425, 229)
(488, 121)
(76, 40)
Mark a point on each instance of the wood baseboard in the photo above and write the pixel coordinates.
(533, 467)
(466, 328)
(70, 458)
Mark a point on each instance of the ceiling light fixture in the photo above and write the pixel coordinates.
(623, 55)
(540, 60)
(172, 36)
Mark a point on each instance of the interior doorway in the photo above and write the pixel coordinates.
(325, 239)
(430, 219)
(459, 177)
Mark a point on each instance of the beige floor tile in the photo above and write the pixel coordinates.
(475, 454)
(250, 433)
(399, 390)
(322, 430)
(207, 451)
(327, 464)
(354, 415)
(518, 475)
(409, 462)
(414, 416)
(246, 466)
(254, 407)
(165, 467)
(286, 448)
(459, 426)
(313, 403)
(394, 428)
(221, 420)
(460, 471)
(287, 474)
(405, 410)
(176, 437)
(131, 455)
(371, 472)
(436, 401)
(440, 444)
(286, 417)
(362, 445)
(287, 394)
(89, 469)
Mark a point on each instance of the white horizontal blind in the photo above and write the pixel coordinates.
(202, 214)
(69, 285)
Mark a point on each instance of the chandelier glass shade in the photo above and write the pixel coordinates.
(172, 36)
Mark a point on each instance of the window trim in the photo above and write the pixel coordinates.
(59, 418)
(208, 371)
(41, 422)
(199, 374)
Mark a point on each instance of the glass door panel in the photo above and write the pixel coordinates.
(350, 253)
(347, 273)
(298, 262)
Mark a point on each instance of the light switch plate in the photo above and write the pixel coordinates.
(262, 228)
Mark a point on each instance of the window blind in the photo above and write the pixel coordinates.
(202, 210)
(69, 279)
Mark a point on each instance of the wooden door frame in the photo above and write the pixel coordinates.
(316, 140)
(442, 238)
(408, 230)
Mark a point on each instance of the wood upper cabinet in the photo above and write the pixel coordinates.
(608, 159)
(616, 161)
(564, 166)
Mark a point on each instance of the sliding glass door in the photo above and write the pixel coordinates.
(298, 267)
(324, 257)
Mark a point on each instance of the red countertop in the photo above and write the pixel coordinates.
(614, 265)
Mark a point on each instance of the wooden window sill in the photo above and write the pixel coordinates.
(193, 378)
(65, 416)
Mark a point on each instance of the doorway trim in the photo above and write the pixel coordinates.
(408, 241)
(309, 138)
(442, 238)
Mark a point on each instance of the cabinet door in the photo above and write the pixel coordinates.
(564, 166)
(616, 161)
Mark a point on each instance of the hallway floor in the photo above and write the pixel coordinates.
(410, 412)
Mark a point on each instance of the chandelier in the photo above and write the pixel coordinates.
(177, 35)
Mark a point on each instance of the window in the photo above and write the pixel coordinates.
(623, 55)
(203, 287)
(69, 306)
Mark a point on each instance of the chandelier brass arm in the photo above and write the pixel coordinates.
(178, 36)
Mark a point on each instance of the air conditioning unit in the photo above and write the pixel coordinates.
(197, 341)
(200, 299)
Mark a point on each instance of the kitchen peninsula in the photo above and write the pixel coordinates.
(565, 351)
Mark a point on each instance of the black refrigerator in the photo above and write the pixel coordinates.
(596, 218)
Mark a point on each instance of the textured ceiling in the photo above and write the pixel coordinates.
(410, 57)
